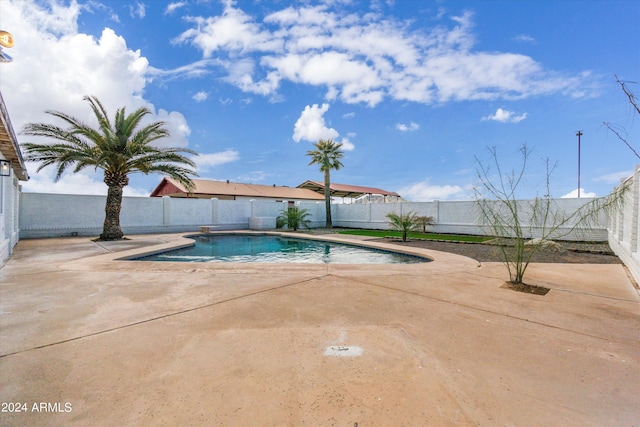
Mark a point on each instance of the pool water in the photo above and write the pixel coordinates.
(265, 248)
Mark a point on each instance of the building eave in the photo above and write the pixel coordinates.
(344, 190)
(9, 144)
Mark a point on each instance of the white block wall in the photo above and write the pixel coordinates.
(52, 215)
(624, 237)
(461, 217)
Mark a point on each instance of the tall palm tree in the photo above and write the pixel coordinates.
(327, 154)
(117, 148)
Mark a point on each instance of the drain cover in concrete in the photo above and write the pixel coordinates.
(343, 351)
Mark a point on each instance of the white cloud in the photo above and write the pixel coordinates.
(525, 38)
(137, 10)
(79, 183)
(176, 124)
(76, 65)
(255, 176)
(614, 178)
(57, 65)
(347, 145)
(310, 126)
(574, 194)
(207, 161)
(233, 30)
(423, 191)
(101, 8)
(505, 116)
(195, 69)
(172, 7)
(407, 128)
(200, 96)
(365, 58)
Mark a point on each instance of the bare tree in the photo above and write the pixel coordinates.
(618, 130)
(524, 227)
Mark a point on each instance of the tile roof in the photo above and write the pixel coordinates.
(223, 188)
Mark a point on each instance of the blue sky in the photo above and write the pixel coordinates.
(415, 90)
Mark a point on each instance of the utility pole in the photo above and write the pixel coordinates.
(579, 134)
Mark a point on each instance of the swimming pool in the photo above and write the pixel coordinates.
(284, 249)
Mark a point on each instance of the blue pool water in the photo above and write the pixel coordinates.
(265, 248)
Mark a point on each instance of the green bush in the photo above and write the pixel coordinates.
(294, 218)
(402, 223)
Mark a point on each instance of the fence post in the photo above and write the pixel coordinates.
(166, 210)
(613, 222)
(635, 215)
(215, 208)
(620, 219)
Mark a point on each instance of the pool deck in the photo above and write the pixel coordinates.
(104, 342)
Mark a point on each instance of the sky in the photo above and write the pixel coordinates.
(416, 91)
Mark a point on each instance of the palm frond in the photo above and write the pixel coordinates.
(327, 155)
(99, 111)
(118, 147)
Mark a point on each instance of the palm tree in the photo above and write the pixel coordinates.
(294, 218)
(402, 223)
(118, 149)
(327, 154)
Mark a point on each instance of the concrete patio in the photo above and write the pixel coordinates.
(103, 342)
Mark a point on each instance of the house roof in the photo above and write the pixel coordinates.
(344, 190)
(9, 144)
(169, 186)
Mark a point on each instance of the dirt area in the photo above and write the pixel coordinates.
(575, 253)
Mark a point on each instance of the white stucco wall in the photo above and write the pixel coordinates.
(461, 217)
(49, 215)
(624, 223)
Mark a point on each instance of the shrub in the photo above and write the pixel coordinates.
(403, 223)
(294, 218)
(423, 221)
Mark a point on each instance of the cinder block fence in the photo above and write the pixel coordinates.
(55, 215)
(624, 238)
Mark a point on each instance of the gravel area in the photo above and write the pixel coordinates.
(574, 253)
(571, 253)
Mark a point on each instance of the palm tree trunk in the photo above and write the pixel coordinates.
(111, 228)
(327, 197)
